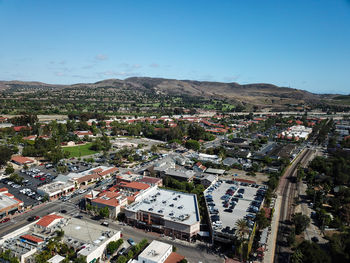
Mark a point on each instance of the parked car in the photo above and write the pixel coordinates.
(121, 252)
(131, 242)
(105, 223)
(5, 220)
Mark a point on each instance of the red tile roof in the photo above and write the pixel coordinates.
(19, 128)
(83, 133)
(32, 238)
(21, 159)
(150, 180)
(30, 137)
(108, 171)
(4, 189)
(47, 220)
(87, 178)
(174, 258)
(136, 185)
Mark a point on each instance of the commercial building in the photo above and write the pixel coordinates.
(128, 177)
(8, 203)
(86, 238)
(92, 175)
(20, 160)
(158, 252)
(113, 200)
(295, 133)
(56, 189)
(169, 212)
(151, 181)
(90, 238)
(180, 174)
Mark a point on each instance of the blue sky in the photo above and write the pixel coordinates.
(301, 44)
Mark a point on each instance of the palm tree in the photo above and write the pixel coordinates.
(242, 228)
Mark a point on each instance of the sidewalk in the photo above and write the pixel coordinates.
(271, 242)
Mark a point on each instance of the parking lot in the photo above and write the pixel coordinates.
(34, 177)
(230, 201)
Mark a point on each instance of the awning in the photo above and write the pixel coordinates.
(204, 233)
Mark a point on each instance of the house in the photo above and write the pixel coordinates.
(20, 160)
(199, 167)
(229, 161)
(82, 134)
(21, 128)
(3, 119)
(207, 179)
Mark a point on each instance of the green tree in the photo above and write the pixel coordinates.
(56, 154)
(122, 259)
(261, 220)
(9, 169)
(291, 237)
(104, 212)
(242, 228)
(192, 144)
(312, 253)
(5, 155)
(300, 222)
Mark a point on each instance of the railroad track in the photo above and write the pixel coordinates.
(288, 189)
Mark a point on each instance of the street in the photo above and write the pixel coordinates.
(194, 252)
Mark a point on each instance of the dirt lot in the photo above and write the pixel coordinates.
(260, 178)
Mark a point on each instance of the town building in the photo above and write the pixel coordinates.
(86, 238)
(8, 203)
(158, 252)
(151, 181)
(296, 133)
(113, 200)
(92, 175)
(180, 174)
(169, 212)
(20, 160)
(56, 189)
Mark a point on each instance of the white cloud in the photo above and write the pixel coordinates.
(101, 57)
(111, 73)
(154, 65)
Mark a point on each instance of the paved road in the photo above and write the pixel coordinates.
(197, 252)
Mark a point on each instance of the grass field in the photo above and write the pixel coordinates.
(77, 151)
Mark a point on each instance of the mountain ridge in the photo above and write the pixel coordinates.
(254, 93)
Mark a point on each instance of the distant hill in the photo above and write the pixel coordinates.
(258, 94)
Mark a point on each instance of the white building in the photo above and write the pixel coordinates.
(170, 212)
(156, 252)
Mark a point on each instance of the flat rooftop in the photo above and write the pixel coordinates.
(86, 232)
(55, 186)
(6, 201)
(155, 251)
(87, 172)
(171, 205)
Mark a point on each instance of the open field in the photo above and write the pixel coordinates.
(81, 150)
